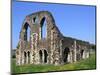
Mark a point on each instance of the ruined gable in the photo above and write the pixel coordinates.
(54, 48)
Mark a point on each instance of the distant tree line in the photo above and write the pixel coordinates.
(94, 47)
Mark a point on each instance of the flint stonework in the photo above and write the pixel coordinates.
(53, 49)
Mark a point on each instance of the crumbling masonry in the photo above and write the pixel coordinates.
(53, 49)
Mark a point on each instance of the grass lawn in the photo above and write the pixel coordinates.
(89, 63)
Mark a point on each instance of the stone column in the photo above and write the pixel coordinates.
(88, 53)
(61, 58)
(31, 57)
(84, 54)
(18, 61)
(32, 49)
(26, 58)
(22, 58)
(51, 55)
(56, 58)
(20, 54)
(71, 57)
(56, 49)
(43, 56)
(79, 53)
(75, 50)
(36, 51)
(40, 33)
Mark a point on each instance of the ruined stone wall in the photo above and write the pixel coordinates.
(78, 49)
(37, 43)
(53, 49)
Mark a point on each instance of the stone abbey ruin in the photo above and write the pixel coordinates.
(53, 49)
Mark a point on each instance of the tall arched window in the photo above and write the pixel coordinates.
(35, 20)
(28, 34)
(43, 28)
(27, 31)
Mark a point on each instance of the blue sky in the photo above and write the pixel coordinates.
(77, 21)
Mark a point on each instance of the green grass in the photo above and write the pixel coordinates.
(89, 63)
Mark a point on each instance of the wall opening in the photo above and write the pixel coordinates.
(35, 20)
(43, 28)
(40, 55)
(28, 57)
(65, 53)
(82, 51)
(45, 56)
(27, 32)
(24, 57)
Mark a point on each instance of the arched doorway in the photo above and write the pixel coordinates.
(45, 56)
(82, 52)
(40, 55)
(28, 57)
(25, 57)
(65, 54)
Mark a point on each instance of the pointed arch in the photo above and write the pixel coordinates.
(43, 24)
(65, 53)
(28, 53)
(82, 52)
(27, 31)
(25, 57)
(45, 56)
(40, 56)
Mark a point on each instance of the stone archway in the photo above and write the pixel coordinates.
(26, 32)
(45, 56)
(82, 53)
(40, 56)
(43, 28)
(65, 54)
(28, 53)
(25, 57)
(36, 23)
